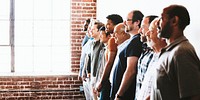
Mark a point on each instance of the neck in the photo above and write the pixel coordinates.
(175, 35)
(133, 32)
(126, 37)
(161, 44)
(96, 39)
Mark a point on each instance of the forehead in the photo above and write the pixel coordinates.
(145, 21)
(153, 24)
(165, 13)
(109, 21)
(130, 14)
(94, 26)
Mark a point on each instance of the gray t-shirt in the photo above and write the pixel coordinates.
(178, 71)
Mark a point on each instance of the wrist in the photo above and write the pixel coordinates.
(119, 96)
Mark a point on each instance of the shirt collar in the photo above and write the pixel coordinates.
(174, 44)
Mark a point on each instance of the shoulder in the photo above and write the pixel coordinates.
(112, 46)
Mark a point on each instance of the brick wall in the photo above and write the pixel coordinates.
(80, 11)
(40, 87)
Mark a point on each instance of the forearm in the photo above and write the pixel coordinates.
(126, 82)
(128, 76)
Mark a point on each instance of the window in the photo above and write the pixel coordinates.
(34, 36)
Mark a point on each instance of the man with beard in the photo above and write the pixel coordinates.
(178, 70)
(147, 53)
(124, 76)
(156, 44)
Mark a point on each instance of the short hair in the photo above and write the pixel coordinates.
(103, 28)
(137, 15)
(88, 20)
(181, 12)
(151, 18)
(115, 18)
(99, 24)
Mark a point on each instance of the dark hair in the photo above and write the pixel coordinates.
(179, 11)
(137, 15)
(115, 18)
(151, 18)
(103, 28)
(88, 21)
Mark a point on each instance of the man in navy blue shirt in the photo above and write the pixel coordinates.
(123, 86)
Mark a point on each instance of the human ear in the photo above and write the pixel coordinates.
(175, 20)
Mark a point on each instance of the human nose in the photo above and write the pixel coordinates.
(125, 23)
(140, 30)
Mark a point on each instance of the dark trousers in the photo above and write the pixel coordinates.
(105, 91)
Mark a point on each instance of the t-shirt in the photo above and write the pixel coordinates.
(134, 48)
(178, 71)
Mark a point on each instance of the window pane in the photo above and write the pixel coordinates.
(4, 32)
(42, 38)
(43, 9)
(4, 9)
(42, 59)
(42, 33)
(61, 56)
(24, 59)
(59, 9)
(23, 33)
(60, 34)
(4, 21)
(24, 9)
(5, 64)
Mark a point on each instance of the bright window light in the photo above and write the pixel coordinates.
(41, 36)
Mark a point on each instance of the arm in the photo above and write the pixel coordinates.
(107, 70)
(128, 75)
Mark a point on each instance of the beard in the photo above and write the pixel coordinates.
(128, 29)
(150, 44)
(143, 38)
(166, 31)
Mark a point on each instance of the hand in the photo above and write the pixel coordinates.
(147, 98)
(94, 90)
(83, 78)
(99, 87)
(88, 75)
(98, 94)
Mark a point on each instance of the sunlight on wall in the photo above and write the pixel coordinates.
(153, 7)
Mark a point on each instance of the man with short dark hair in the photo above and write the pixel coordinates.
(178, 70)
(104, 84)
(124, 75)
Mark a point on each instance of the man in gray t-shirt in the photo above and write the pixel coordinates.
(178, 71)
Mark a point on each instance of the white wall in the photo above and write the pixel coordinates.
(153, 7)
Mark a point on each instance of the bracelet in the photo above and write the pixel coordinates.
(120, 97)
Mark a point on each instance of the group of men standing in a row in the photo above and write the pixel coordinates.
(141, 58)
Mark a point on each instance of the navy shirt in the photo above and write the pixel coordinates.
(134, 48)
